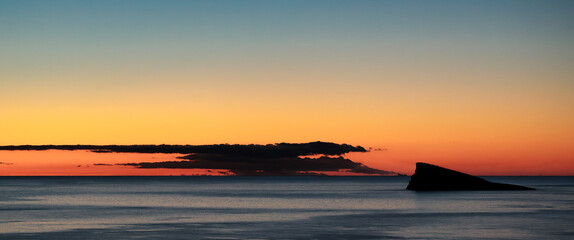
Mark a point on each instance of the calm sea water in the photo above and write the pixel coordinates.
(278, 208)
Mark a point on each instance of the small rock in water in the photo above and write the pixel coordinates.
(429, 177)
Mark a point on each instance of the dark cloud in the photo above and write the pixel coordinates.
(270, 159)
(102, 164)
(242, 165)
(252, 150)
(5, 163)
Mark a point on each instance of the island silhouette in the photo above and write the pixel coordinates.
(430, 177)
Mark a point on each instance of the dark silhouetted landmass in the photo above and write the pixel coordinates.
(429, 177)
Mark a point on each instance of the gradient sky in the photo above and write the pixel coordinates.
(481, 86)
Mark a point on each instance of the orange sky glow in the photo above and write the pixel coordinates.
(86, 163)
(485, 88)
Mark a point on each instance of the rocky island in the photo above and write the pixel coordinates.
(429, 177)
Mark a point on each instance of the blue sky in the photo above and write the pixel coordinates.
(401, 75)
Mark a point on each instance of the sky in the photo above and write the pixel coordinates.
(485, 87)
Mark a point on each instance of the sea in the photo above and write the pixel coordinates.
(288, 207)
